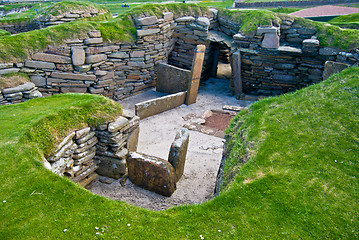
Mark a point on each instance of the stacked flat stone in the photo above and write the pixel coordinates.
(114, 139)
(190, 32)
(84, 167)
(61, 160)
(71, 16)
(87, 153)
(19, 93)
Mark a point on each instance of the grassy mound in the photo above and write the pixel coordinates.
(346, 21)
(300, 179)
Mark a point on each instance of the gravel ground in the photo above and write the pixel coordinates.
(156, 135)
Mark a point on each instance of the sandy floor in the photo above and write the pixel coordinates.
(156, 135)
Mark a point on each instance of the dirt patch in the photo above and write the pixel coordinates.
(156, 135)
(218, 120)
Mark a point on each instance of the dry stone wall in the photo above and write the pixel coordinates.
(89, 152)
(274, 60)
(19, 93)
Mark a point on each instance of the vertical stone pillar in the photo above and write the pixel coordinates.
(236, 71)
(196, 71)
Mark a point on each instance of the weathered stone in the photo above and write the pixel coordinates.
(34, 94)
(90, 41)
(39, 64)
(185, 19)
(119, 54)
(118, 124)
(6, 65)
(111, 167)
(38, 80)
(136, 54)
(286, 66)
(9, 70)
(203, 21)
(83, 68)
(158, 105)
(21, 88)
(132, 140)
(270, 40)
(92, 50)
(96, 58)
(152, 173)
(94, 34)
(78, 56)
(310, 43)
(328, 51)
(178, 152)
(73, 76)
(331, 68)
(146, 21)
(167, 16)
(171, 79)
(83, 132)
(306, 31)
(51, 58)
(151, 31)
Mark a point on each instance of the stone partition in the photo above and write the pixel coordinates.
(171, 79)
(89, 152)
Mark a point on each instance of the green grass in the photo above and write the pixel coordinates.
(299, 182)
(347, 21)
(284, 10)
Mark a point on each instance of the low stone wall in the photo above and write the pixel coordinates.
(89, 152)
(24, 26)
(19, 93)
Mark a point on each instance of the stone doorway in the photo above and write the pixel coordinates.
(219, 61)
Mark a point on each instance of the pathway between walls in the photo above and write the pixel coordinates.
(156, 135)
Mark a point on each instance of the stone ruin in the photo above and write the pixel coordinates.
(109, 150)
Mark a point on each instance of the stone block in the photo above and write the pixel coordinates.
(171, 79)
(152, 173)
(9, 70)
(21, 88)
(178, 152)
(51, 58)
(6, 65)
(146, 32)
(119, 54)
(306, 31)
(111, 167)
(270, 40)
(95, 58)
(90, 41)
(158, 105)
(136, 54)
(310, 43)
(185, 19)
(73, 76)
(331, 68)
(78, 56)
(203, 21)
(167, 16)
(328, 51)
(145, 21)
(39, 65)
(118, 124)
(94, 34)
(132, 140)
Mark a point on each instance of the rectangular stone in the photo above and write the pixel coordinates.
(73, 76)
(158, 105)
(136, 54)
(146, 32)
(92, 50)
(39, 64)
(51, 58)
(171, 79)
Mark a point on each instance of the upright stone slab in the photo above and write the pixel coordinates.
(152, 173)
(331, 68)
(178, 152)
(236, 71)
(196, 71)
(171, 79)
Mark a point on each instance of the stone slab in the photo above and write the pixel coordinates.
(158, 105)
(331, 68)
(178, 152)
(39, 65)
(73, 76)
(21, 88)
(51, 58)
(152, 173)
(111, 167)
(78, 56)
(171, 79)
